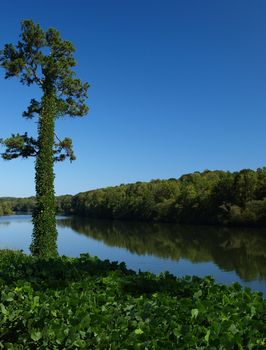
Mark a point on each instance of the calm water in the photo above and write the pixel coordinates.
(229, 255)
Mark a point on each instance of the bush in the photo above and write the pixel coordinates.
(85, 303)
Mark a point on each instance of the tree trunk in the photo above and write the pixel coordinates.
(44, 225)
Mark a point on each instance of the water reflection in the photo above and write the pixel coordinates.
(4, 223)
(232, 249)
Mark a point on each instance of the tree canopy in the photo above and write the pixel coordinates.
(43, 58)
(210, 197)
(46, 60)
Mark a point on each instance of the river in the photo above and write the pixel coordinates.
(228, 254)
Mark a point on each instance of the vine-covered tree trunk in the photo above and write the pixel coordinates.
(44, 224)
(45, 59)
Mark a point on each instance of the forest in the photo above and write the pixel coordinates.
(6, 206)
(208, 197)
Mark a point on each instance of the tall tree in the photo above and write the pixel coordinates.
(45, 59)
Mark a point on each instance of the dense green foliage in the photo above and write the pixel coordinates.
(5, 208)
(26, 205)
(85, 303)
(210, 197)
(63, 204)
(44, 242)
(19, 205)
(44, 59)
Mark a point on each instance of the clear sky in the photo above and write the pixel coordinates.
(176, 86)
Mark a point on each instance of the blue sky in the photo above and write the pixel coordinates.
(176, 87)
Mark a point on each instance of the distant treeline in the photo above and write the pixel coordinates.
(5, 207)
(12, 205)
(210, 197)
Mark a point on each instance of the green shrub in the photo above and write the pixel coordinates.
(85, 303)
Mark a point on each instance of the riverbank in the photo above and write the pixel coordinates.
(200, 198)
(86, 303)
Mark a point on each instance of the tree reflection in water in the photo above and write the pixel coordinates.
(232, 249)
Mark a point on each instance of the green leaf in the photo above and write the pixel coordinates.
(253, 310)
(198, 294)
(3, 309)
(10, 297)
(233, 329)
(207, 336)
(36, 335)
(194, 313)
(138, 331)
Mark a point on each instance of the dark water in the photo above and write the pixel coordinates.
(229, 255)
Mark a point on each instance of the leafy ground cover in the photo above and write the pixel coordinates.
(86, 303)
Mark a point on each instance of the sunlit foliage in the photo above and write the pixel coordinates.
(44, 59)
(85, 303)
